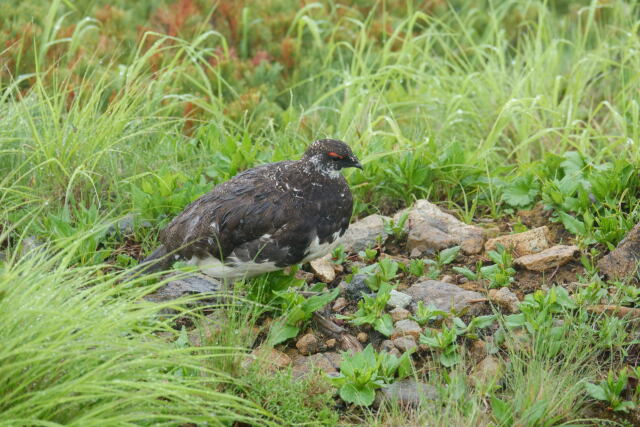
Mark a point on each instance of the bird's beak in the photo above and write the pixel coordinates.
(355, 163)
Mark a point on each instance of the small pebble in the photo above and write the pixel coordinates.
(363, 337)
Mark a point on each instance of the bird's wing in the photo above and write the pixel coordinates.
(241, 210)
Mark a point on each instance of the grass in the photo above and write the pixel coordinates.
(113, 108)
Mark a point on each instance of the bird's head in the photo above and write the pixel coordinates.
(331, 154)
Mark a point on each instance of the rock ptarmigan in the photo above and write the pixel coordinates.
(265, 218)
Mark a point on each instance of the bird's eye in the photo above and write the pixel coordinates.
(335, 156)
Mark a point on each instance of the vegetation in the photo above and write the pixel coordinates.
(116, 114)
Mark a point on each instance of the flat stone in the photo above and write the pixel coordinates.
(549, 258)
(308, 344)
(183, 286)
(365, 233)
(429, 229)
(446, 296)
(406, 327)
(506, 299)
(404, 344)
(329, 363)
(526, 243)
(407, 392)
(272, 359)
(398, 299)
(399, 314)
(323, 269)
(339, 304)
(622, 262)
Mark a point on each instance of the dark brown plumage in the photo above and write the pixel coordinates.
(264, 218)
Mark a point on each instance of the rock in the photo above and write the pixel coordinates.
(404, 344)
(330, 343)
(365, 233)
(323, 268)
(622, 262)
(189, 285)
(448, 279)
(446, 296)
(506, 299)
(398, 314)
(353, 291)
(398, 299)
(429, 228)
(339, 304)
(387, 345)
(350, 343)
(362, 337)
(549, 258)
(28, 245)
(478, 350)
(488, 371)
(406, 327)
(272, 359)
(407, 392)
(304, 275)
(526, 243)
(308, 344)
(328, 363)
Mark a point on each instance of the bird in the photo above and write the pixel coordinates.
(264, 219)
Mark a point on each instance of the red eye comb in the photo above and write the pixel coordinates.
(335, 155)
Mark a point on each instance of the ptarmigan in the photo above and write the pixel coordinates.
(265, 218)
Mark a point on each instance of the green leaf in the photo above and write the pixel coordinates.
(384, 324)
(596, 392)
(281, 332)
(363, 396)
(502, 411)
(316, 302)
(572, 224)
(447, 256)
(521, 192)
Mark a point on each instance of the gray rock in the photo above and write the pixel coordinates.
(487, 371)
(622, 262)
(398, 299)
(29, 244)
(387, 345)
(526, 243)
(407, 392)
(125, 225)
(353, 291)
(406, 343)
(429, 228)
(549, 258)
(406, 327)
(190, 285)
(365, 233)
(446, 296)
(339, 304)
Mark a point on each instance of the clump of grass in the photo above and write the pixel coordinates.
(80, 349)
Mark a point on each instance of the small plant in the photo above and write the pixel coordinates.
(416, 267)
(610, 391)
(446, 339)
(445, 342)
(497, 275)
(297, 311)
(338, 255)
(364, 372)
(386, 270)
(368, 255)
(427, 313)
(444, 257)
(371, 311)
(397, 228)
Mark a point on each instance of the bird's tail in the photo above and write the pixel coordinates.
(157, 261)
